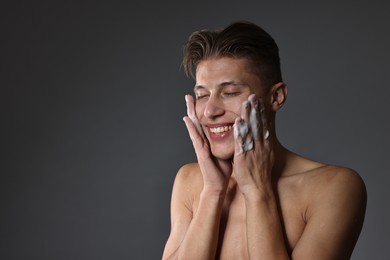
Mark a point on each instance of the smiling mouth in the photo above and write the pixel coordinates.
(221, 129)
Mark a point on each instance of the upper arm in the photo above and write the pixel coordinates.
(335, 219)
(181, 209)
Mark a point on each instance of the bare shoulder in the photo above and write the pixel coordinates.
(188, 182)
(189, 174)
(184, 193)
(336, 191)
(334, 211)
(316, 177)
(336, 180)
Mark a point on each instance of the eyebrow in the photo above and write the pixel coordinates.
(223, 84)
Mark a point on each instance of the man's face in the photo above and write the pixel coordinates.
(222, 85)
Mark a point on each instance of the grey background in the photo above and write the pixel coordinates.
(91, 107)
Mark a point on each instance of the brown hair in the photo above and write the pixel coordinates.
(238, 40)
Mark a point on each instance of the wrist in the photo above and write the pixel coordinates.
(256, 195)
(213, 192)
(215, 187)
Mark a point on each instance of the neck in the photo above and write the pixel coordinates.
(283, 162)
(282, 157)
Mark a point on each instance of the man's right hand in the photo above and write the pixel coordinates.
(216, 172)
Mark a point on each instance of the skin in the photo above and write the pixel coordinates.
(262, 203)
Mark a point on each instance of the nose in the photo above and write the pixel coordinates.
(214, 107)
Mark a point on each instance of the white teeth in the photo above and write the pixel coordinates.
(221, 129)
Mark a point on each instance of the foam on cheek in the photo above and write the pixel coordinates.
(254, 123)
(248, 145)
(241, 130)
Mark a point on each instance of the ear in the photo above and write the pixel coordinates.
(278, 94)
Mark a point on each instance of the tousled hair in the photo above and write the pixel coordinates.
(239, 40)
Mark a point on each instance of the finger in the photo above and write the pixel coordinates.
(195, 137)
(245, 126)
(191, 113)
(237, 137)
(254, 116)
(245, 110)
(239, 156)
(190, 105)
(243, 140)
(264, 121)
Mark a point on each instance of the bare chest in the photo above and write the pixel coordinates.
(232, 243)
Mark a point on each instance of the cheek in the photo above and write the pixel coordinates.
(235, 106)
(199, 110)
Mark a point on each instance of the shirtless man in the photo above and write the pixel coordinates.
(248, 197)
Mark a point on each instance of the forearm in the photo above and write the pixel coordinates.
(201, 239)
(264, 229)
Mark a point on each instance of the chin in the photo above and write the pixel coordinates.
(223, 154)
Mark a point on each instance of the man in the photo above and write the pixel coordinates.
(248, 197)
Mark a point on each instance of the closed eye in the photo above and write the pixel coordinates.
(201, 96)
(232, 94)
